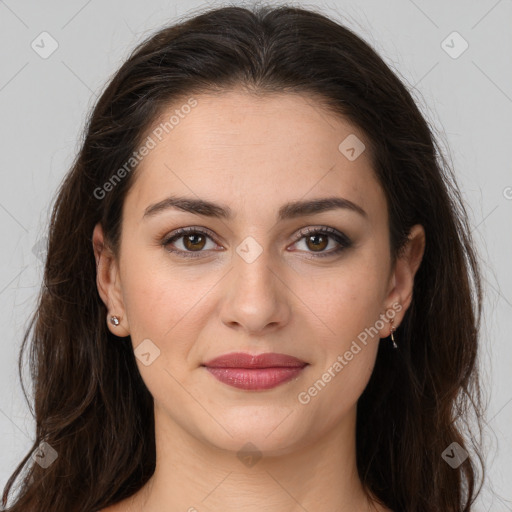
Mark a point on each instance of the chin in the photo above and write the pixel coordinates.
(274, 432)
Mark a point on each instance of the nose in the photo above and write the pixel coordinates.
(256, 298)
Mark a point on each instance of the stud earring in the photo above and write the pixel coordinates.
(114, 320)
(392, 337)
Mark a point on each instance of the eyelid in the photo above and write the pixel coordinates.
(181, 232)
(343, 241)
(334, 233)
(339, 237)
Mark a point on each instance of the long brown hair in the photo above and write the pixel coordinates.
(90, 403)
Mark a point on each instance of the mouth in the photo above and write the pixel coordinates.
(255, 372)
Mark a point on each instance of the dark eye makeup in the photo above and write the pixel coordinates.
(191, 234)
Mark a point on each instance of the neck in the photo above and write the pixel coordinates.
(192, 475)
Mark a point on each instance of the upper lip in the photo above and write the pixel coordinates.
(244, 360)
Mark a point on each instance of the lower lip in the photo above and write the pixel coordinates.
(254, 379)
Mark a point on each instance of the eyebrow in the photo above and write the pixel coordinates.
(289, 210)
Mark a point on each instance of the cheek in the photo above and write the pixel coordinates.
(348, 303)
(346, 300)
(345, 366)
(167, 304)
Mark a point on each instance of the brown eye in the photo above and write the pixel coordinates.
(194, 241)
(317, 242)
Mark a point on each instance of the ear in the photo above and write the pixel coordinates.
(109, 283)
(401, 284)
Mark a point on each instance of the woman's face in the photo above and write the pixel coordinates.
(254, 281)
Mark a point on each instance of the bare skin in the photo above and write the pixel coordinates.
(254, 154)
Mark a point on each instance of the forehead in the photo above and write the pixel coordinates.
(245, 150)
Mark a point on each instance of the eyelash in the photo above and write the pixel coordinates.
(343, 241)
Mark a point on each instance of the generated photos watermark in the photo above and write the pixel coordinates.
(344, 359)
(149, 144)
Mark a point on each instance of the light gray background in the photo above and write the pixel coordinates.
(44, 103)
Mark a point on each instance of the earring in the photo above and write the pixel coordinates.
(114, 320)
(392, 337)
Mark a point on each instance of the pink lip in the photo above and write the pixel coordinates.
(243, 360)
(253, 372)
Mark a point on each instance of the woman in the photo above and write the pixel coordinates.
(260, 292)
